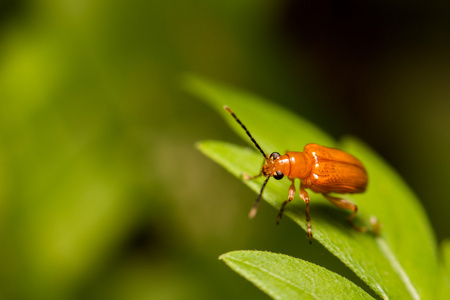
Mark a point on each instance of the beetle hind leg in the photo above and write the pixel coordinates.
(345, 204)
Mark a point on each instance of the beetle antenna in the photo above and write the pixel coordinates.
(254, 208)
(251, 137)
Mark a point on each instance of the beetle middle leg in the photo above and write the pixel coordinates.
(305, 197)
(345, 204)
(291, 197)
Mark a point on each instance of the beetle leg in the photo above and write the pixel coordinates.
(305, 197)
(376, 225)
(345, 204)
(249, 177)
(291, 197)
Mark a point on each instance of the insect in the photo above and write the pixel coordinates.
(321, 169)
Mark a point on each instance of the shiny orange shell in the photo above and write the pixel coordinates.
(333, 170)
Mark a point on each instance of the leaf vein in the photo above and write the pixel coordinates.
(390, 256)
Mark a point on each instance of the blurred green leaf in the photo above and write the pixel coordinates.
(262, 118)
(285, 277)
(400, 263)
(444, 289)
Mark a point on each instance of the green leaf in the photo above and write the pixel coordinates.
(444, 289)
(407, 241)
(400, 263)
(359, 251)
(285, 277)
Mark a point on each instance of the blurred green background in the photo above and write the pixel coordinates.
(102, 193)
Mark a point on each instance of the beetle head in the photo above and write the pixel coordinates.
(272, 166)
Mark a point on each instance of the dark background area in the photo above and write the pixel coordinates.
(102, 193)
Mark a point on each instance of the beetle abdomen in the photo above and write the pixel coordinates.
(334, 170)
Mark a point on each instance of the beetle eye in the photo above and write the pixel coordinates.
(274, 155)
(278, 175)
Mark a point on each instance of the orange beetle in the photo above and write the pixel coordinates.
(322, 169)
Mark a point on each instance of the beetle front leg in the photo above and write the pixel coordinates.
(345, 204)
(291, 197)
(305, 197)
(250, 177)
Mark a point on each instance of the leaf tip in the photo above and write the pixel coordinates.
(198, 145)
(224, 256)
(195, 84)
(233, 255)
